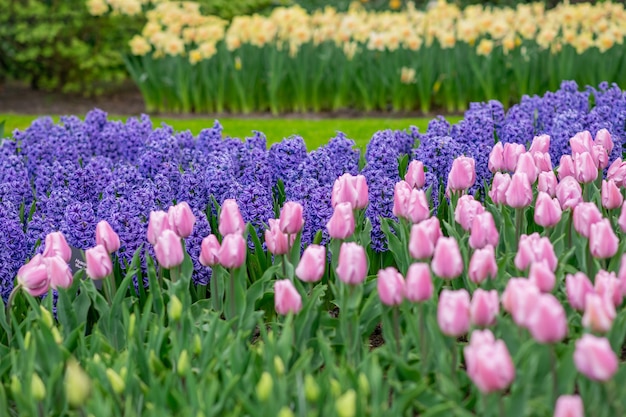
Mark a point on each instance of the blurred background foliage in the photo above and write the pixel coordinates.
(57, 45)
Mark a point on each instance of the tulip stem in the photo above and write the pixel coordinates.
(396, 329)
(16, 289)
(590, 269)
(231, 294)
(454, 360)
(501, 405)
(284, 265)
(555, 382)
(519, 220)
(614, 399)
(106, 287)
(422, 337)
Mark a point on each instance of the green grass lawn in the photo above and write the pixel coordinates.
(315, 132)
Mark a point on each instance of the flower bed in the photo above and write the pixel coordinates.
(236, 318)
(329, 60)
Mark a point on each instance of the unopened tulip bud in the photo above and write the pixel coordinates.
(341, 223)
(209, 251)
(311, 389)
(158, 223)
(181, 219)
(285, 412)
(106, 237)
(183, 365)
(312, 264)
(346, 404)
(418, 285)
(57, 245)
(46, 317)
(169, 249)
(279, 366)
(197, 345)
(232, 253)
(231, 221)
(364, 385)
(37, 388)
(291, 220)
(116, 381)
(415, 175)
(390, 285)
(16, 386)
(132, 321)
(99, 264)
(603, 242)
(77, 384)
(264, 387)
(611, 195)
(175, 308)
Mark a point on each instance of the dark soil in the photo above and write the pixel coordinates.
(126, 100)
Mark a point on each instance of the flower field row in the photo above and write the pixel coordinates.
(440, 273)
(328, 60)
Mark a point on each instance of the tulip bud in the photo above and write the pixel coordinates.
(312, 264)
(364, 385)
(175, 308)
(335, 388)
(447, 261)
(285, 412)
(197, 345)
(169, 250)
(390, 286)
(183, 365)
(595, 358)
(291, 220)
(16, 386)
(232, 253)
(157, 224)
(352, 265)
(57, 245)
(27, 339)
(181, 219)
(209, 251)
(346, 404)
(311, 389)
(77, 384)
(106, 237)
(99, 265)
(46, 317)
(116, 381)
(462, 175)
(415, 175)
(37, 388)
(418, 285)
(230, 221)
(341, 223)
(58, 339)
(286, 297)
(264, 387)
(279, 366)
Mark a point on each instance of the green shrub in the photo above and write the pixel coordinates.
(57, 45)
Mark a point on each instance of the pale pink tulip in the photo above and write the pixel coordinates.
(496, 158)
(603, 242)
(603, 137)
(577, 287)
(286, 298)
(542, 276)
(56, 244)
(534, 248)
(158, 223)
(611, 195)
(209, 251)
(594, 358)
(341, 223)
(519, 193)
(547, 322)
(181, 219)
(447, 261)
(484, 231)
(390, 284)
(547, 183)
(352, 265)
(519, 299)
(483, 265)
(291, 220)
(312, 264)
(569, 193)
(609, 287)
(424, 236)
(526, 165)
(512, 151)
(33, 276)
(462, 174)
(168, 249)
(277, 242)
(232, 253)
(99, 265)
(547, 210)
(489, 364)
(586, 169)
(231, 221)
(415, 175)
(500, 184)
(540, 144)
(586, 214)
(106, 237)
(569, 406)
(599, 313)
(484, 308)
(418, 284)
(466, 209)
(566, 167)
(453, 312)
(617, 172)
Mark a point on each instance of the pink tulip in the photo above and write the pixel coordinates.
(548, 321)
(484, 231)
(483, 265)
(415, 175)
(594, 358)
(609, 287)
(526, 165)
(169, 250)
(462, 175)
(617, 172)
(232, 253)
(352, 268)
(541, 275)
(484, 308)
(512, 151)
(424, 236)
(466, 209)
(569, 406)
(418, 284)
(231, 221)
(581, 142)
(520, 299)
(291, 220)
(286, 298)
(181, 219)
(520, 192)
(577, 287)
(543, 162)
(586, 214)
(489, 364)
(602, 240)
(99, 265)
(621, 275)
(547, 183)
(600, 157)
(390, 286)
(341, 223)
(453, 312)
(547, 210)
(603, 137)
(500, 184)
(350, 189)
(599, 313)
(611, 195)
(106, 237)
(410, 203)
(58, 271)
(56, 244)
(496, 158)
(209, 251)
(566, 167)
(447, 261)
(33, 276)
(276, 241)
(158, 223)
(534, 248)
(540, 144)
(621, 221)
(312, 263)
(569, 193)
(586, 169)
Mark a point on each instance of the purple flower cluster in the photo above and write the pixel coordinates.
(70, 175)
